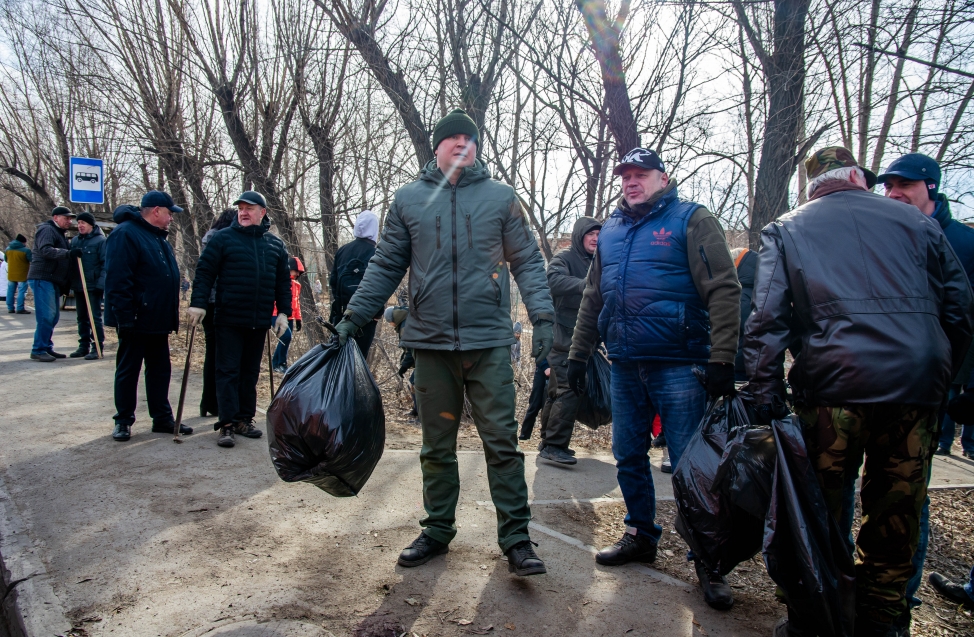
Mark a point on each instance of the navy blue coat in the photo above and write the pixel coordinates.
(959, 236)
(141, 276)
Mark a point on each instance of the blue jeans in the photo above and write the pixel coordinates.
(969, 586)
(18, 289)
(47, 311)
(640, 390)
(948, 428)
(280, 354)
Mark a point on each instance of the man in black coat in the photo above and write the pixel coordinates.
(249, 268)
(48, 278)
(566, 280)
(142, 304)
(92, 243)
(351, 261)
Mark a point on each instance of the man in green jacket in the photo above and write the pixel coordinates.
(457, 231)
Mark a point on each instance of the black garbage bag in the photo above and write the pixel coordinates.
(326, 425)
(723, 486)
(803, 547)
(595, 405)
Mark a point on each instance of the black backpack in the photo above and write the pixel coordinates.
(348, 281)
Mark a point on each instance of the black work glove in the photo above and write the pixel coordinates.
(576, 376)
(542, 338)
(75, 253)
(297, 325)
(720, 380)
(774, 410)
(961, 409)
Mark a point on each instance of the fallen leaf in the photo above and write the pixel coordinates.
(412, 602)
(570, 610)
(483, 567)
(464, 622)
(510, 626)
(694, 622)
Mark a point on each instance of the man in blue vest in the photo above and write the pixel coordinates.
(662, 292)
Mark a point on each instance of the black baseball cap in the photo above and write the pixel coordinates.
(917, 167)
(251, 197)
(61, 210)
(640, 158)
(155, 198)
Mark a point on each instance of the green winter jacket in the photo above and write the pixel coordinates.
(457, 243)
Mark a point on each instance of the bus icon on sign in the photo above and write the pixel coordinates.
(92, 177)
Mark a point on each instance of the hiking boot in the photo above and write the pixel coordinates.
(122, 432)
(92, 356)
(24, 312)
(523, 561)
(716, 592)
(78, 353)
(43, 357)
(169, 427)
(55, 354)
(247, 430)
(557, 455)
(631, 548)
(226, 437)
(952, 591)
(422, 550)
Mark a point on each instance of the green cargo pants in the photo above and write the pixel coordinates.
(897, 441)
(558, 416)
(487, 376)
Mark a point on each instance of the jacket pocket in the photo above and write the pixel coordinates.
(497, 289)
(437, 232)
(469, 233)
(706, 262)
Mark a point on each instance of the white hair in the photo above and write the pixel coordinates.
(839, 174)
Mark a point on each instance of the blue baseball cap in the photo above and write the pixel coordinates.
(640, 158)
(918, 167)
(161, 199)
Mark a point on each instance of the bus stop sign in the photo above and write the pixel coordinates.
(87, 177)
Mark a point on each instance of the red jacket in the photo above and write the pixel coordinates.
(295, 301)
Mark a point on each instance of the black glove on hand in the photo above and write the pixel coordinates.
(75, 253)
(961, 409)
(720, 379)
(576, 376)
(345, 328)
(775, 410)
(297, 325)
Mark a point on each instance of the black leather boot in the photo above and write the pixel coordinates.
(523, 561)
(422, 550)
(122, 432)
(716, 591)
(631, 548)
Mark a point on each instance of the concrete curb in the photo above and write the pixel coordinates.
(29, 605)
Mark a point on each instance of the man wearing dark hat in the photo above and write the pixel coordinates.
(92, 243)
(48, 277)
(566, 279)
(461, 235)
(883, 309)
(662, 293)
(142, 304)
(249, 268)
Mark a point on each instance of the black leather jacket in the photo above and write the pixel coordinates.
(875, 293)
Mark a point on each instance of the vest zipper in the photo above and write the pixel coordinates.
(437, 232)
(703, 255)
(469, 234)
(456, 308)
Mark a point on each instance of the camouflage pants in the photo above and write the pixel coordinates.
(897, 441)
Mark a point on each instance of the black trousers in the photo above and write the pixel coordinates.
(85, 338)
(208, 404)
(133, 349)
(365, 338)
(238, 354)
(558, 416)
(535, 401)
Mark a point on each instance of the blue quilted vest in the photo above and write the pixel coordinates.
(652, 311)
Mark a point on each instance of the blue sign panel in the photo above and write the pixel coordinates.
(87, 178)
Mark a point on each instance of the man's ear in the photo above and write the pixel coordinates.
(665, 180)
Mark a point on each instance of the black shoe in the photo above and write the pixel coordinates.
(666, 466)
(55, 354)
(226, 437)
(24, 312)
(942, 452)
(122, 432)
(523, 561)
(78, 353)
(281, 369)
(525, 433)
(557, 455)
(422, 550)
(631, 548)
(950, 590)
(247, 430)
(969, 454)
(11, 311)
(659, 441)
(716, 592)
(169, 427)
(92, 356)
(43, 357)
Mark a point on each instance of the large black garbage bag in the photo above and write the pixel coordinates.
(803, 548)
(723, 486)
(326, 425)
(595, 405)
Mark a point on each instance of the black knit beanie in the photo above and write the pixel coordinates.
(455, 123)
(87, 217)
